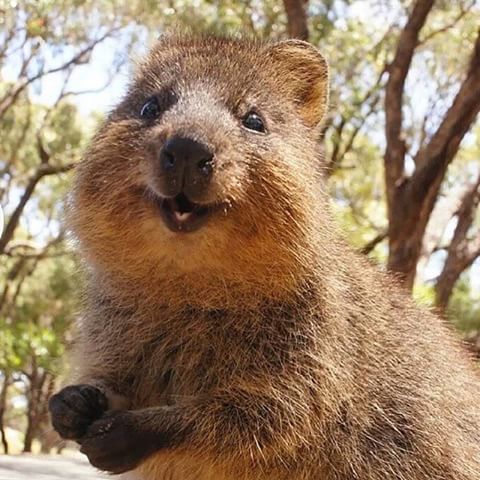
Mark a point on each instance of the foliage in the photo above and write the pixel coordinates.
(464, 306)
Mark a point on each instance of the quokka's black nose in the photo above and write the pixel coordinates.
(185, 166)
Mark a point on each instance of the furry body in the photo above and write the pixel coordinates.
(259, 347)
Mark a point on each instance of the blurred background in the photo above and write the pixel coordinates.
(402, 153)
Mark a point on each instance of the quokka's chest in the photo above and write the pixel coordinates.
(178, 359)
(168, 373)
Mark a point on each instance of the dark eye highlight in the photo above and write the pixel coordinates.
(150, 109)
(254, 122)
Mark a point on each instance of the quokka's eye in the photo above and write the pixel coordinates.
(150, 109)
(254, 122)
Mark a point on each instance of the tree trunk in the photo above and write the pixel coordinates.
(407, 221)
(32, 406)
(405, 238)
(29, 435)
(410, 200)
(444, 287)
(40, 389)
(296, 11)
(3, 408)
(462, 251)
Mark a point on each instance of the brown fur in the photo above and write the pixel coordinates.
(282, 353)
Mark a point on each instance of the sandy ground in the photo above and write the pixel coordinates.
(25, 467)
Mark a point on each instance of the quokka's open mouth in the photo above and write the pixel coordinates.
(182, 215)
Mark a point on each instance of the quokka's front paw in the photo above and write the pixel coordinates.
(118, 442)
(75, 408)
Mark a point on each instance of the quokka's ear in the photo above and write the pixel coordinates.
(303, 73)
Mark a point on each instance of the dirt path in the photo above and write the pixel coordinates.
(46, 468)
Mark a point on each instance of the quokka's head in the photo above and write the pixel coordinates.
(210, 160)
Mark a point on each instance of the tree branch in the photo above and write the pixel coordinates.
(370, 246)
(297, 25)
(433, 160)
(42, 171)
(11, 96)
(463, 11)
(398, 71)
(371, 96)
(461, 252)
